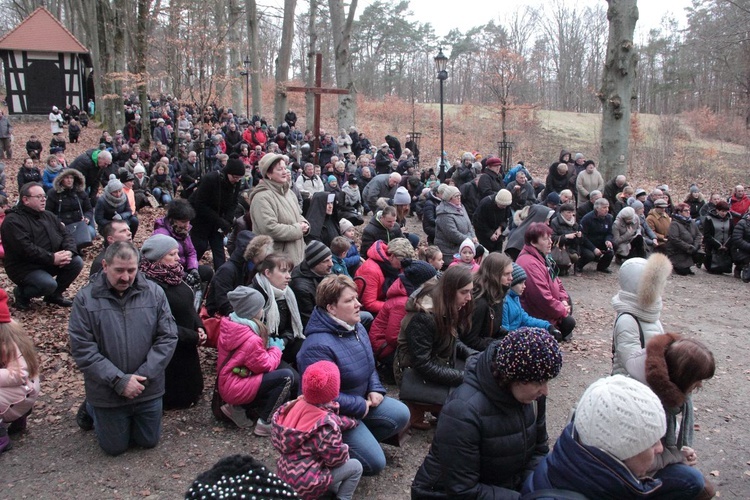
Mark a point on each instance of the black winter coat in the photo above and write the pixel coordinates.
(428, 216)
(375, 231)
(489, 184)
(487, 218)
(214, 202)
(740, 240)
(26, 175)
(486, 441)
(67, 204)
(486, 325)
(30, 239)
(85, 164)
(304, 285)
(470, 197)
(229, 276)
(429, 353)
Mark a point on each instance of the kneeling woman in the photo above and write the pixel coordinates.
(492, 431)
(334, 333)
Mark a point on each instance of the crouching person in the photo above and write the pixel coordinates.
(122, 336)
(609, 448)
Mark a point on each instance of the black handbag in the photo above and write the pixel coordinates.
(721, 262)
(415, 388)
(80, 233)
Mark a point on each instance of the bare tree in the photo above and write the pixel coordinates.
(251, 11)
(311, 50)
(283, 60)
(617, 87)
(341, 22)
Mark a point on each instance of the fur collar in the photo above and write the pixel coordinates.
(657, 374)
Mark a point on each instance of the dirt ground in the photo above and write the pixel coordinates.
(55, 459)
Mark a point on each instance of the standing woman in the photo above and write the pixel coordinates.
(160, 263)
(428, 340)
(334, 333)
(491, 283)
(282, 315)
(274, 209)
(545, 296)
(492, 431)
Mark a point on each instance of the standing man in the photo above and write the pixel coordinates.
(40, 255)
(6, 130)
(122, 336)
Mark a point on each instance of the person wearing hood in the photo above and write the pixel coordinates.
(606, 451)
(214, 202)
(626, 236)
(322, 215)
(492, 431)
(382, 227)
(429, 208)
(523, 219)
(384, 331)
(68, 200)
(717, 233)
(638, 306)
(239, 270)
(380, 270)
(114, 205)
(491, 218)
(491, 283)
(545, 296)
(334, 333)
(452, 223)
(684, 241)
(274, 209)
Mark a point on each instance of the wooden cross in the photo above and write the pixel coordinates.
(317, 90)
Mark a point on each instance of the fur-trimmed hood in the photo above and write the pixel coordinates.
(79, 182)
(657, 373)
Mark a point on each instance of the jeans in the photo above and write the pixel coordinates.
(680, 481)
(275, 389)
(42, 282)
(381, 422)
(345, 478)
(133, 424)
(162, 196)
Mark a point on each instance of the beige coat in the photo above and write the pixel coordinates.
(275, 212)
(585, 183)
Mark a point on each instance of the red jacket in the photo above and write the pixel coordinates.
(384, 330)
(373, 296)
(543, 296)
(249, 352)
(738, 207)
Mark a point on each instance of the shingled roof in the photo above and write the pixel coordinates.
(42, 32)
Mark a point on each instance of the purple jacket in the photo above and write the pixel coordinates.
(188, 257)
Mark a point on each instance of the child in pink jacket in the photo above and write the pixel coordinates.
(250, 369)
(307, 432)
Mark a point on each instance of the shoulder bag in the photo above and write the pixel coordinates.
(80, 230)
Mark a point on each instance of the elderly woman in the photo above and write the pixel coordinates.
(160, 263)
(428, 338)
(626, 236)
(274, 209)
(684, 241)
(452, 223)
(68, 199)
(335, 334)
(492, 431)
(566, 234)
(545, 296)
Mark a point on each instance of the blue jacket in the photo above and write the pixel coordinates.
(596, 230)
(339, 266)
(514, 315)
(351, 351)
(588, 470)
(352, 259)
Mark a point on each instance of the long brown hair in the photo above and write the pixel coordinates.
(12, 336)
(487, 278)
(449, 319)
(689, 361)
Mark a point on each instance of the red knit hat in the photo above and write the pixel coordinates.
(321, 382)
(4, 311)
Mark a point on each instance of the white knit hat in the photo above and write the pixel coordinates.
(620, 416)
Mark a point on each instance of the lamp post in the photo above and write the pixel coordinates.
(441, 62)
(246, 74)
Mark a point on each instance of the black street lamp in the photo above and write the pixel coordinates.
(246, 74)
(441, 62)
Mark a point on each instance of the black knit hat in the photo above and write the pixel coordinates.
(239, 476)
(417, 272)
(234, 167)
(316, 252)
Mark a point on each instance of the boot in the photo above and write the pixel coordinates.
(5, 443)
(709, 491)
(417, 420)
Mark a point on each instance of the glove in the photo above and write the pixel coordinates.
(192, 278)
(276, 342)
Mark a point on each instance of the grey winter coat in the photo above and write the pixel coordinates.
(112, 338)
(452, 226)
(684, 240)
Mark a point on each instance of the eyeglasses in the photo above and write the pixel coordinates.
(39, 196)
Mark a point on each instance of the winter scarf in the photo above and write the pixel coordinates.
(53, 170)
(113, 201)
(273, 317)
(390, 274)
(681, 217)
(171, 275)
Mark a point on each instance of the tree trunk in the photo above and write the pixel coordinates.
(141, 69)
(111, 57)
(617, 87)
(342, 30)
(251, 11)
(235, 58)
(312, 49)
(284, 60)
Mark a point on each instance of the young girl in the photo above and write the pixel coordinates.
(19, 375)
(308, 434)
(352, 258)
(433, 256)
(465, 256)
(248, 368)
(514, 315)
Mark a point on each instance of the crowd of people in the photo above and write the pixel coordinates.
(310, 321)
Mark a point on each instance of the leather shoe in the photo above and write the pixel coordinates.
(20, 303)
(58, 300)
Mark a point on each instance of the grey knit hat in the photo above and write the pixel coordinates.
(247, 302)
(519, 275)
(157, 246)
(114, 184)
